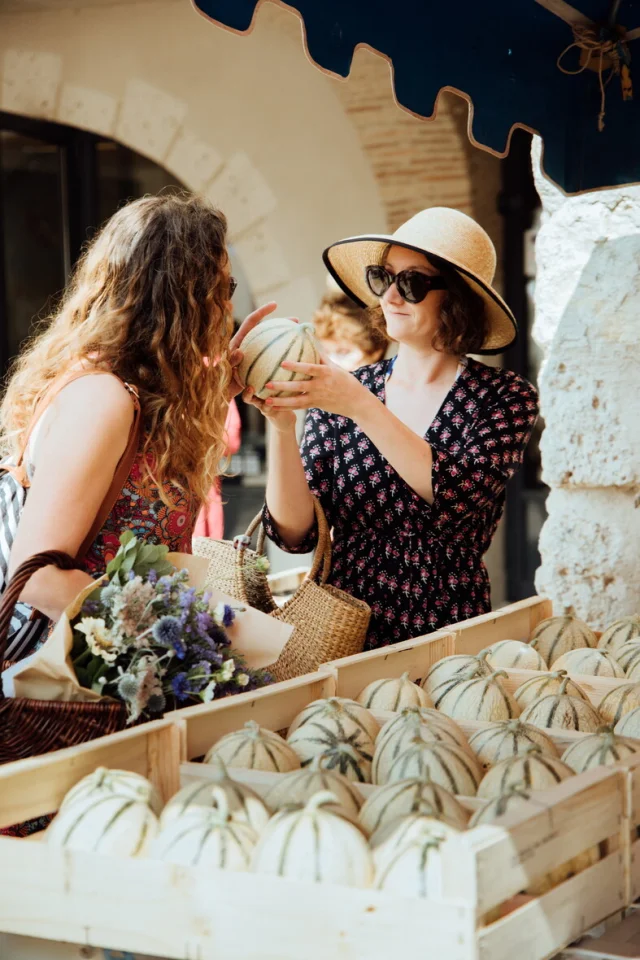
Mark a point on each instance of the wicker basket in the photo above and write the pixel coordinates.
(31, 727)
(328, 623)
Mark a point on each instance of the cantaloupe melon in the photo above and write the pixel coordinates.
(513, 655)
(405, 797)
(508, 738)
(620, 632)
(450, 670)
(619, 701)
(268, 345)
(533, 769)
(454, 769)
(314, 845)
(629, 724)
(628, 656)
(593, 663)
(300, 785)
(559, 710)
(546, 684)
(602, 749)
(340, 730)
(482, 698)
(393, 693)
(254, 748)
(557, 635)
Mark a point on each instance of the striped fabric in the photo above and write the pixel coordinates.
(24, 632)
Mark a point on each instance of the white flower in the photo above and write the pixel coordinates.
(100, 641)
(209, 692)
(242, 679)
(227, 670)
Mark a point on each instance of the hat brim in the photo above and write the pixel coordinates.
(346, 261)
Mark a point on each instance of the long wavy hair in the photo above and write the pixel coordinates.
(148, 300)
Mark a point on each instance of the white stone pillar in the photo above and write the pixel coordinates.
(587, 294)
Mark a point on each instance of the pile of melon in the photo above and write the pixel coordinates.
(312, 822)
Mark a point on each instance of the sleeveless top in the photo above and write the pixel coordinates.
(140, 509)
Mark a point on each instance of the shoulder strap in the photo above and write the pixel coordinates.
(124, 464)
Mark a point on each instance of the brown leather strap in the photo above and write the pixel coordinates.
(124, 464)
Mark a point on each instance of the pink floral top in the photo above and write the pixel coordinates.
(140, 509)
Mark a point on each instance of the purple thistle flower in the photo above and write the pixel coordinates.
(181, 686)
(204, 622)
(208, 654)
(167, 631)
(152, 577)
(187, 598)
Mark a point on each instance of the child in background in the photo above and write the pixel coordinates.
(346, 332)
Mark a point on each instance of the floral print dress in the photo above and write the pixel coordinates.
(419, 566)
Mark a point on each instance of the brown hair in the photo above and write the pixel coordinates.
(147, 301)
(339, 317)
(464, 324)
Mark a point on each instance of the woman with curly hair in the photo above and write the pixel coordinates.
(145, 323)
(410, 456)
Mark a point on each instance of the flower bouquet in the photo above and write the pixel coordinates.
(150, 639)
(150, 636)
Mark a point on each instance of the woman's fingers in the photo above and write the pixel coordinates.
(288, 386)
(251, 321)
(311, 369)
(235, 358)
(290, 403)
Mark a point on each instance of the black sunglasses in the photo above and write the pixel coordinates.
(412, 285)
(233, 286)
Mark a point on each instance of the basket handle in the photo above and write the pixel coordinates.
(15, 586)
(322, 554)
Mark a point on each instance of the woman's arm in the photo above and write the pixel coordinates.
(339, 392)
(83, 438)
(288, 497)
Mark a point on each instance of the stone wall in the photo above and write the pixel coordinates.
(588, 305)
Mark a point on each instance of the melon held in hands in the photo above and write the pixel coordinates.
(267, 346)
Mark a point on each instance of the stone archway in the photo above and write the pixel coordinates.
(290, 180)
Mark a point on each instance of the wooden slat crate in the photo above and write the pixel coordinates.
(148, 907)
(513, 622)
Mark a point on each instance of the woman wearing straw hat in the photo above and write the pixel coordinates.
(410, 456)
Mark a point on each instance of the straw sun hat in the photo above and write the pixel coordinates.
(442, 232)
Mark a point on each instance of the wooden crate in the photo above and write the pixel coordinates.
(148, 907)
(513, 622)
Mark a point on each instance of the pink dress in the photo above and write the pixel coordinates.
(210, 522)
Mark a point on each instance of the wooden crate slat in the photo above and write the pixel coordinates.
(271, 707)
(167, 911)
(501, 859)
(513, 622)
(546, 924)
(36, 786)
(413, 656)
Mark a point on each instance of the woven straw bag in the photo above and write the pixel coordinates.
(328, 623)
(31, 727)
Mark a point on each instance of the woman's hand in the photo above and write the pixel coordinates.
(329, 388)
(282, 421)
(235, 354)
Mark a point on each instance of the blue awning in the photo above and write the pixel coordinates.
(502, 55)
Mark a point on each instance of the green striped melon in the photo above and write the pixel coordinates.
(593, 663)
(629, 724)
(628, 656)
(602, 749)
(619, 701)
(533, 769)
(207, 837)
(513, 799)
(557, 635)
(110, 823)
(431, 724)
(508, 738)
(620, 632)
(387, 841)
(267, 346)
(562, 711)
(400, 736)
(300, 785)
(451, 670)
(483, 698)
(513, 655)
(245, 806)
(405, 797)
(413, 868)
(452, 768)
(314, 845)
(109, 782)
(393, 693)
(254, 748)
(341, 734)
(537, 687)
(341, 710)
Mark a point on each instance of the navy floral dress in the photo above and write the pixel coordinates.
(419, 566)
